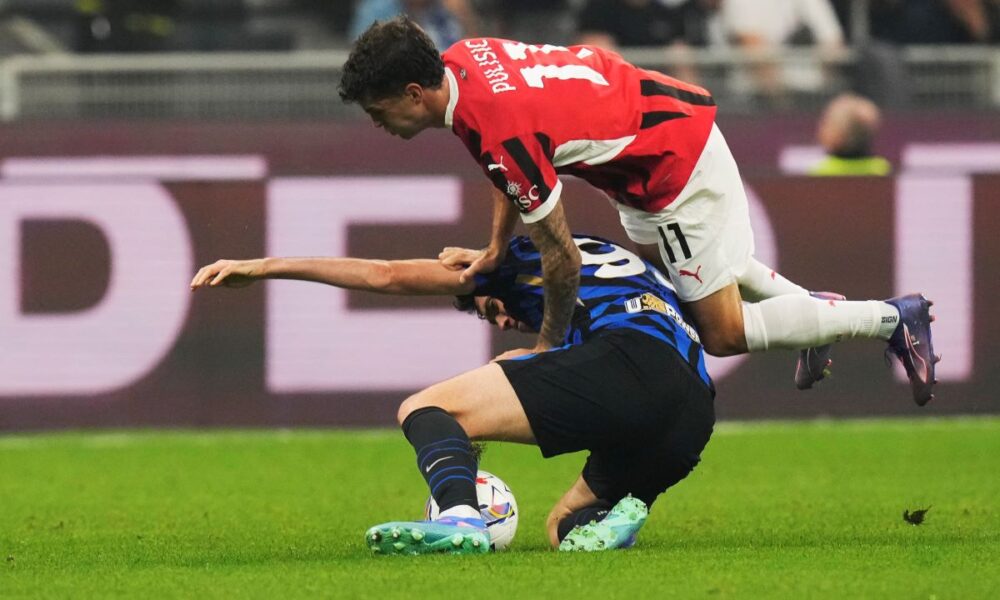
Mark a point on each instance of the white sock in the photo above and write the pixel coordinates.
(461, 511)
(796, 322)
(889, 321)
(759, 282)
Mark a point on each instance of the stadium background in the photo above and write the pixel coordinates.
(121, 173)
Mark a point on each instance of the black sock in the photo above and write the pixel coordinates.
(444, 456)
(594, 512)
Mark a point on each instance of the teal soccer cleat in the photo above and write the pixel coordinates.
(445, 536)
(617, 530)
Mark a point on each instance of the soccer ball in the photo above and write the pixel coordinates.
(497, 506)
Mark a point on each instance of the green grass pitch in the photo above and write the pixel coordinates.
(787, 510)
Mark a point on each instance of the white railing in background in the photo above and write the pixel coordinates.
(303, 84)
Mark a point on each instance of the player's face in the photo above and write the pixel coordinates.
(493, 310)
(404, 116)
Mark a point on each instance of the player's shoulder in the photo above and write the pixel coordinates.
(594, 242)
(480, 49)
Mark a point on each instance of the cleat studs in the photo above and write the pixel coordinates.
(476, 543)
(417, 535)
(399, 546)
(376, 536)
(396, 532)
(456, 540)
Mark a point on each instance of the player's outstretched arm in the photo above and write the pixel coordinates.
(398, 277)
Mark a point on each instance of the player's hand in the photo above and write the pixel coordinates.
(230, 273)
(455, 258)
(474, 261)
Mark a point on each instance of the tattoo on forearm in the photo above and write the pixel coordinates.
(561, 273)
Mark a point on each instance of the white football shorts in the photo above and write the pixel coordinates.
(704, 236)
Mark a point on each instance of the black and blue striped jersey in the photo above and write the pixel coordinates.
(618, 290)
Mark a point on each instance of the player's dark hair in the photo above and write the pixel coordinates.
(387, 57)
(465, 303)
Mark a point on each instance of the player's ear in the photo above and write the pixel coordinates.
(414, 92)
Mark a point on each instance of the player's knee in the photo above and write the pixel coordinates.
(414, 402)
(723, 341)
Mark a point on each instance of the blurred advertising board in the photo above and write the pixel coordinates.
(98, 327)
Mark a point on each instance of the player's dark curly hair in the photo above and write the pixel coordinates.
(465, 303)
(388, 56)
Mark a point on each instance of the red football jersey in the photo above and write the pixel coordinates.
(529, 112)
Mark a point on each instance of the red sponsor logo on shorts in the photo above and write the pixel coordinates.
(695, 274)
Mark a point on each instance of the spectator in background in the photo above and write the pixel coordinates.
(675, 24)
(623, 23)
(445, 21)
(541, 21)
(933, 21)
(776, 24)
(846, 131)
(126, 25)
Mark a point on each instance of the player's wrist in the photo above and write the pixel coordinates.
(268, 267)
(495, 251)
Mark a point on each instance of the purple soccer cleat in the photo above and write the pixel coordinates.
(911, 343)
(814, 363)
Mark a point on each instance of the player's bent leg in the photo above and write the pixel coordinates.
(759, 282)
(617, 529)
(439, 422)
(719, 320)
(482, 401)
(633, 477)
(446, 460)
(813, 364)
(577, 499)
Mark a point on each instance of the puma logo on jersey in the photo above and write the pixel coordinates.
(497, 165)
(695, 274)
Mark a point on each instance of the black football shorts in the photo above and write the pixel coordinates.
(630, 399)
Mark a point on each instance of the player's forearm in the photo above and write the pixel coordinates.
(397, 277)
(504, 221)
(561, 275)
(348, 273)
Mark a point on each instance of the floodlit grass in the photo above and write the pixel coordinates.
(775, 510)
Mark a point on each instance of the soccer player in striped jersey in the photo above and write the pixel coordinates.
(627, 382)
(528, 113)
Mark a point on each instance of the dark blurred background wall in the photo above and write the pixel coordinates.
(139, 140)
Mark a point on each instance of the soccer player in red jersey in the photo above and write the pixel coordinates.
(528, 113)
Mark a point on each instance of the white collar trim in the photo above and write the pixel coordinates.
(449, 112)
